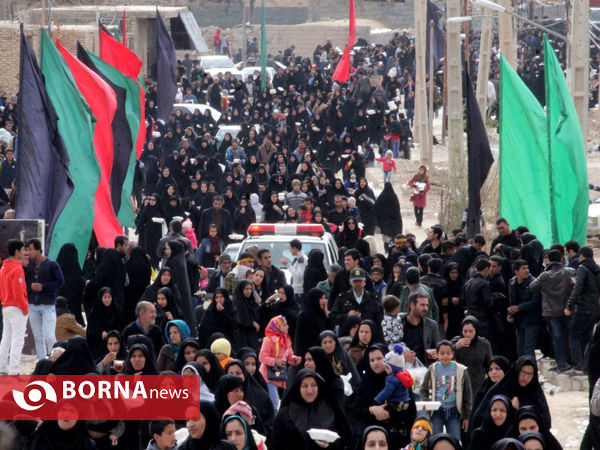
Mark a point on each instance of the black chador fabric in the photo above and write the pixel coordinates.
(480, 158)
(177, 263)
(138, 272)
(102, 318)
(387, 211)
(68, 261)
(110, 272)
(76, 359)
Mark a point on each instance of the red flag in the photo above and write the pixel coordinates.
(123, 59)
(342, 71)
(103, 103)
(124, 30)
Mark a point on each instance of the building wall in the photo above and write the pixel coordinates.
(305, 37)
(397, 14)
(10, 45)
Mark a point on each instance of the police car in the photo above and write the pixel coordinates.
(276, 238)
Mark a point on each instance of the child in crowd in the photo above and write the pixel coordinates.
(388, 165)
(448, 382)
(222, 350)
(379, 286)
(397, 384)
(275, 355)
(163, 435)
(420, 185)
(391, 323)
(189, 232)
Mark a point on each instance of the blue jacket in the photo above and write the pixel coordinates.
(8, 172)
(51, 278)
(393, 391)
(529, 303)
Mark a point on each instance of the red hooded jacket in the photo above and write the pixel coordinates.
(13, 290)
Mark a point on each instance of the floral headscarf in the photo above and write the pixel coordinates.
(275, 328)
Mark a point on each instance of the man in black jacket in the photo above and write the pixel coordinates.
(144, 324)
(583, 306)
(274, 277)
(525, 309)
(43, 278)
(506, 240)
(218, 277)
(218, 216)
(465, 256)
(476, 297)
(357, 302)
(338, 214)
(421, 334)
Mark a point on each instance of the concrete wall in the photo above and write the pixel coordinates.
(305, 37)
(397, 14)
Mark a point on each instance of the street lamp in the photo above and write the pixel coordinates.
(496, 7)
(459, 19)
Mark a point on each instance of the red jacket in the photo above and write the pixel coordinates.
(388, 164)
(419, 200)
(13, 289)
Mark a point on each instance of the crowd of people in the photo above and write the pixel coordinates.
(351, 347)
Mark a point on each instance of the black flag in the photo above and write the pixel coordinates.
(480, 158)
(122, 140)
(436, 15)
(166, 65)
(44, 183)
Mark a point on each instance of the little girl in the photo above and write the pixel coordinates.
(275, 354)
(388, 165)
(420, 185)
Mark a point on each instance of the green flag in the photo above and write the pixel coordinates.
(133, 112)
(524, 169)
(117, 35)
(566, 148)
(76, 125)
(263, 48)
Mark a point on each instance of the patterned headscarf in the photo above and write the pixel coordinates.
(275, 328)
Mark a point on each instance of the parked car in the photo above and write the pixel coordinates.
(249, 71)
(215, 64)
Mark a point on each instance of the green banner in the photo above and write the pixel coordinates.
(524, 164)
(566, 147)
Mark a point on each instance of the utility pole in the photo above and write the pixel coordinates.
(245, 36)
(483, 70)
(506, 34)
(445, 99)
(579, 68)
(421, 120)
(429, 157)
(456, 181)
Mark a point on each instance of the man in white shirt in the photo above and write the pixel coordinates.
(296, 267)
